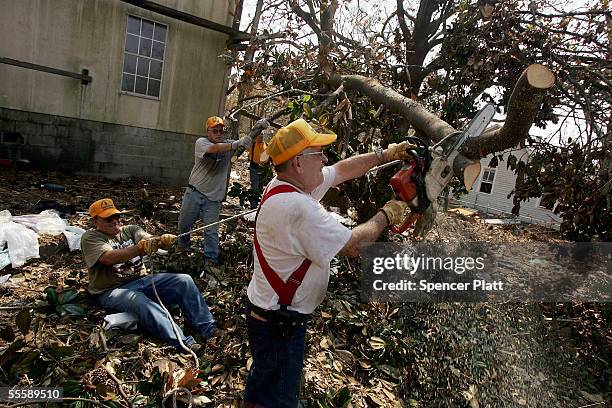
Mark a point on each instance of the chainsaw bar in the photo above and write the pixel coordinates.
(445, 152)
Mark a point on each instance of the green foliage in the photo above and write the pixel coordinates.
(334, 399)
(153, 385)
(61, 303)
(243, 194)
(572, 179)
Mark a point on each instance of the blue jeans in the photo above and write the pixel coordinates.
(195, 204)
(276, 373)
(138, 297)
(255, 178)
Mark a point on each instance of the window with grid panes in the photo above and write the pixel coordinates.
(143, 58)
(486, 185)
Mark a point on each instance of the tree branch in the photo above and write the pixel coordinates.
(402, 21)
(571, 14)
(434, 127)
(307, 17)
(522, 108)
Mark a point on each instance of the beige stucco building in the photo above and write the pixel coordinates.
(143, 83)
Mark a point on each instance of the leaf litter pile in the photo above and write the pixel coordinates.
(358, 354)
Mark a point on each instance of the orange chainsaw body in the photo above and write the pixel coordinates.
(405, 189)
(402, 184)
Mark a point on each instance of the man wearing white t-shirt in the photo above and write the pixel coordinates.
(294, 242)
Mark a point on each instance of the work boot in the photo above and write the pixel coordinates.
(212, 268)
(216, 338)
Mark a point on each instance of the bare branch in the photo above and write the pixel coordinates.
(570, 14)
(402, 21)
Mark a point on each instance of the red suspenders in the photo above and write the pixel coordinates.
(284, 290)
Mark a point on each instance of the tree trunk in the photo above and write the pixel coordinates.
(246, 82)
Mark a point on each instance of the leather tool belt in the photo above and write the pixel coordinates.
(282, 323)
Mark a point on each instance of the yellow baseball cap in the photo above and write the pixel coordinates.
(292, 139)
(103, 208)
(214, 121)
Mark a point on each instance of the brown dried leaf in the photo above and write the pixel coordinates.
(325, 343)
(377, 343)
(218, 379)
(164, 365)
(23, 321)
(345, 355)
(189, 379)
(374, 399)
(365, 364)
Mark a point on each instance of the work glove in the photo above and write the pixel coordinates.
(244, 142)
(394, 210)
(398, 151)
(149, 245)
(262, 123)
(166, 241)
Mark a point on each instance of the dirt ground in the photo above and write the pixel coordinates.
(358, 354)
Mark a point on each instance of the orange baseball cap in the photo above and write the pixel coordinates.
(292, 139)
(103, 208)
(214, 121)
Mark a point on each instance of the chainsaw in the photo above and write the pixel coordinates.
(429, 170)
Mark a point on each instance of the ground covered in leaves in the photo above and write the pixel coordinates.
(358, 354)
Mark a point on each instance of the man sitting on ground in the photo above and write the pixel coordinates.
(113, 254)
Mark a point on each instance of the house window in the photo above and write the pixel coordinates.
(145, 43)
(486, 185)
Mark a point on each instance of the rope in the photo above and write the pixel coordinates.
(233, 217)
(382, 166)
(169, 316)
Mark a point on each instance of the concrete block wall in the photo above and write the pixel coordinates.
(110, 150)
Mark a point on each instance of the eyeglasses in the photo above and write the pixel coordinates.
(323, 156)
(217, 131)
(112, 218)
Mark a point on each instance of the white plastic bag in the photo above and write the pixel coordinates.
(46, 222)
(73, 236)
(22, 242)
(4, 259)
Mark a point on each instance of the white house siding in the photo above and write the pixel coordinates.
(498, 200)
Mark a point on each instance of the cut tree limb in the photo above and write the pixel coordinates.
(522, 108)
(468, 170)
(521, 111)
(434, 127)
